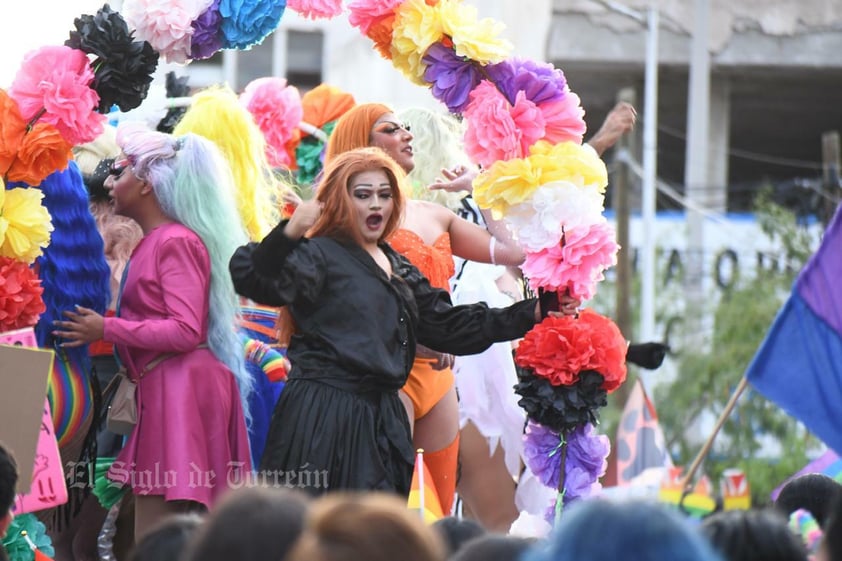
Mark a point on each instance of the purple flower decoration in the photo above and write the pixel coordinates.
(542, 453)
(585, 461)
(207, 38)
(452, 77)
(540, 81)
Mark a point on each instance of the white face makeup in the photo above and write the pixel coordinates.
(373, 200)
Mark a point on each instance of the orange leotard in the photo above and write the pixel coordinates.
(425, 385)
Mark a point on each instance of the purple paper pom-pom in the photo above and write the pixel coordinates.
(452, 77)
(207, 38)
(540, 81)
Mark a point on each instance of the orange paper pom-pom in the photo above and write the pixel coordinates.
(42, 152)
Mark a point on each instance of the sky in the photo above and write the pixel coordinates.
(29, 24)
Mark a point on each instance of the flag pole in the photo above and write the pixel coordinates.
(729, 407)
(419, 466)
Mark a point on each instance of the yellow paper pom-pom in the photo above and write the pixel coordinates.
(477, 40)
(512, 182)
(25, 224)
(569, 161)
(417, 26)
(506, 183)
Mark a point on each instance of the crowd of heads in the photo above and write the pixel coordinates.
(254, 524)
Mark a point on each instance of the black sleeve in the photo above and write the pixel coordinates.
(278, 270)
(467, 329)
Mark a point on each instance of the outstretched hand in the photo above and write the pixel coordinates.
(620, 120)
(456, 179)
(82, 327)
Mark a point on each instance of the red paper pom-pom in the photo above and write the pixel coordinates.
(20, 295)
(558, 349)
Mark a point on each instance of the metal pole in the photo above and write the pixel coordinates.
(229, 69)
(650, 165)
(696, 164)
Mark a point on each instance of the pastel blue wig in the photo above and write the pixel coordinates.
(72, 269)
(193, 185)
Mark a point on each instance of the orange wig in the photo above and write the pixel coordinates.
(339, 217)
(353, 129)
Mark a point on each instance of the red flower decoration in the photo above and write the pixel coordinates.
(558, 349)
(20, 295)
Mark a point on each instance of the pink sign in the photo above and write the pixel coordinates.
(48, 487)
(19, 338)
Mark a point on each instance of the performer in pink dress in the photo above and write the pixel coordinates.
(174, 329)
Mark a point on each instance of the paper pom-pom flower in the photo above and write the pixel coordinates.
(560, 348)
(477, 40)
(325, 103)
(25, 224)
(569, 161)
(364, 14)
(20, 295)
(248, 22)
(123, 67)
(565, 119)
(207, 33)
(417, 26)
(17, 546)
(585, 458)
(166, 24)
(577, 263)
(497, 129)
(316, 9)
(452, 77)
(53, 86)
(381, 34)
(539, 222)
(42, 151)
(561, 408)
(539, 81)
(12, 129)
(276, 108)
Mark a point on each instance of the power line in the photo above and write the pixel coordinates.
(749, 155)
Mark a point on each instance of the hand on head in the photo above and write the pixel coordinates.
(305, 216)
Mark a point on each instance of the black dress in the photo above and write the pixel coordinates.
(339, 423)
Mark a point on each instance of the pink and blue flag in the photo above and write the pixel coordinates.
(799, 364)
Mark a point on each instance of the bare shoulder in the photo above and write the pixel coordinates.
(431, 211)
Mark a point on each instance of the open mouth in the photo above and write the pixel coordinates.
(374, 221)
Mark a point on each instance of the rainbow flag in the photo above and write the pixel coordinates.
(423, 498)
(799, 364)
(829, 464)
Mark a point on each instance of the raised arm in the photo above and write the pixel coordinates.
(284, 266)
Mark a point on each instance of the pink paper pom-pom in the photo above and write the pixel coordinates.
(492, 133)
(316, 9)
(166, 24)
(56, 80)
(277, 109)
(496, 129)
(366, 13)
(565, 119)
(576, 264)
